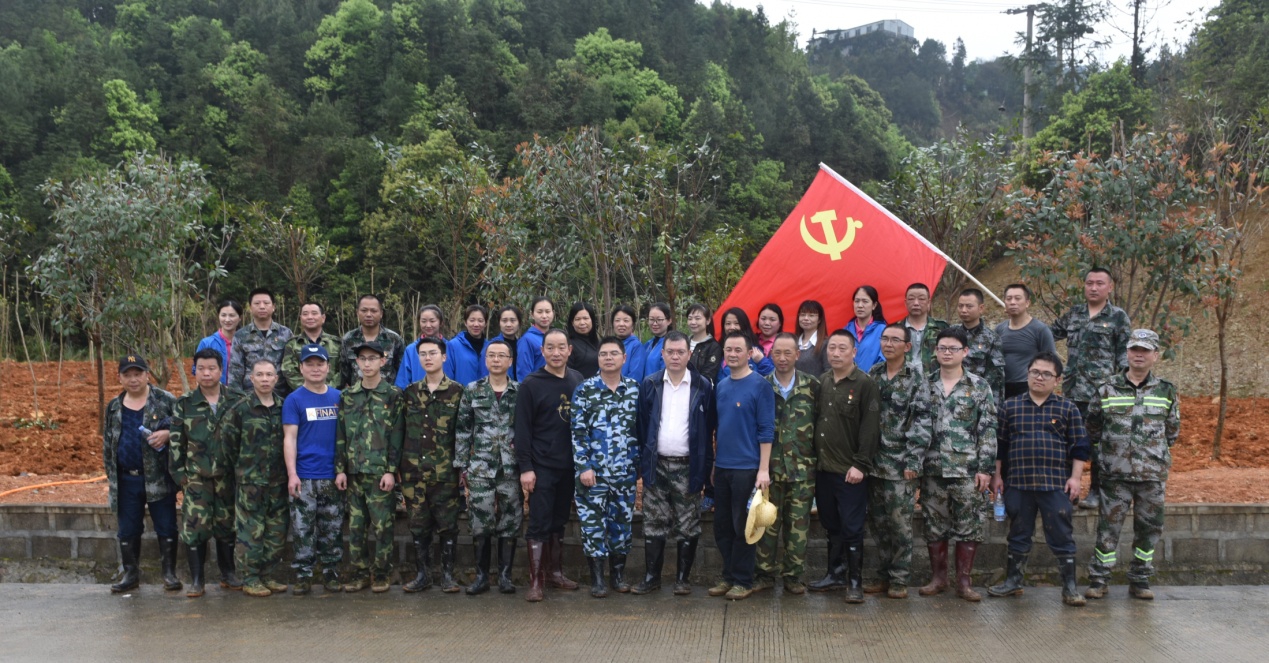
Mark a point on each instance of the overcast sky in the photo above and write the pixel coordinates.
(986, 30)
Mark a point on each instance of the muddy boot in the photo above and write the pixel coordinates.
(1097, 589)
(506, 559)
(555, 564)
(855, 574)
(878, 586)
(422, 577)
(167, 556)
(484, 554)
(598, 588)
(683, 573)
(129, 555)
(1070, 595)
(938, 569)
(225, 562)
(654, 563)
(617, 565)
(1140, 589)
(964, 568)
(449, 547)
(197, 557)
(537, 574)
(1012, 585)
(835, 578)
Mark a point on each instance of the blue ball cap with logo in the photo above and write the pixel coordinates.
(314, 350)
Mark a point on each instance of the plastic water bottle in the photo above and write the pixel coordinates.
(146, 433)
(999, 507)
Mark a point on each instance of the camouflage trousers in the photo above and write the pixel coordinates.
(317, 523)
(261, 523)
(1145, 498)
(207, 510)
(606, 510)
(792, 500)
(668, 507)
(953, 509)
(432, 505)
(496, 506)
(890, 506)
(370, 510)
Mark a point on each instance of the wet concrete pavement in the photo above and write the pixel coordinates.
(85, 623)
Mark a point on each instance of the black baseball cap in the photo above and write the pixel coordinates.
(133, 361)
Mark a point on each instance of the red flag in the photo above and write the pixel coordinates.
(836, 239)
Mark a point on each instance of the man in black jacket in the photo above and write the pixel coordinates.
(544, 454)
(676, 430)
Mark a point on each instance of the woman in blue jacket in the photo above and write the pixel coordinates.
(735, 319)
(867, 326)
(529, 350)
(623, 323)
(462, 355)
(660, 321)
(431, 325)
(508, 319)
(229, 315)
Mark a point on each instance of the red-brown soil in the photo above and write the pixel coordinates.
(69, 447)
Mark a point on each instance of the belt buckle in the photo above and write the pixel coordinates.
(134, 473)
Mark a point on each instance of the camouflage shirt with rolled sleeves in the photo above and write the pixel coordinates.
(369, 430)
(252, 435)
(963, 428)
(197, 448)
(924, 351)
(252, 345)
(346, 364)
(793, 453)
(431, 426)
(1096, 348)
(291, 359)
(604, 420)
(905, 421)
(1134, 428)
(985, 358)
(156, 415)
(486, 429)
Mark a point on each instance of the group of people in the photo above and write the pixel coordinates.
(858, 421)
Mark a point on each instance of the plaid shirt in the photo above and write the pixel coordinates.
(1036, 443)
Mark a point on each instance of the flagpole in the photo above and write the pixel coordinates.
(846, 183)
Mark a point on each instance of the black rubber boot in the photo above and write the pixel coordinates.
(835, 578)
(506, 559)
(617, 565)
(225, 562)
(1070, 595)
(598, 588)
(1012, 585)
(855, 574)
(483, 554)
(422, 554)
(654, 563)
(167, 556)
(197, 557)
(129, 555)
(449, 546)
(683, 574)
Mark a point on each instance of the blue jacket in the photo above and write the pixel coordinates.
(462, 363)
(652, 359)
(867, 351)
(215, 342)
(763, 368)
(411, 370)
(701, 423)
(635, 363)
(529, 353)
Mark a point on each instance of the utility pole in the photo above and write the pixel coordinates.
(1028, 64)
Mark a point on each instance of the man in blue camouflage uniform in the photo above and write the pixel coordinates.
(606, 457)
(1135, 420)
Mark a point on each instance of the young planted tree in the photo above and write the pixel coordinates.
(296, 249)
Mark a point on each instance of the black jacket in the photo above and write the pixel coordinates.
(701, 424)
(707, 359)
(585, 355)
(543, 424)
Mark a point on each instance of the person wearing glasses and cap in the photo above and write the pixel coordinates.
(1134, 421)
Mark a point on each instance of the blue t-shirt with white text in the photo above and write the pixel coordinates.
(317, 416)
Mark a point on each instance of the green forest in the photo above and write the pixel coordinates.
(459, 151)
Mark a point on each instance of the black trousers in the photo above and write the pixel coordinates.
(732, 490)
(843, 507)
(549, 503)
(1054, 509)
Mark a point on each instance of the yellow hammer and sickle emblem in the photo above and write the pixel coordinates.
(832, 246)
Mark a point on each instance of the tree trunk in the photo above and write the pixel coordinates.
(95, 344)
(1221, 321)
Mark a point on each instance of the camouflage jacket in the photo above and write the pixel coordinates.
(1096, 348)
(486, 427)
(1134, 428)
(393, 349)
(431, 422)
(252, 435)
(793, 454)
(922, 354)
(250, 345)
(985, 358)
(604, 428)
(291, 360)
(157, 415)
(369, 430)
(905, 421)
(197, 447)
(963, 428)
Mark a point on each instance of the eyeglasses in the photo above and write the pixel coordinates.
(674, 353)
(499, 355)
(891, 339)
(656, 320)
(1041, 375)
(947, 349)
(610, 355)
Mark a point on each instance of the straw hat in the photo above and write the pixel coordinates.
(762, 514)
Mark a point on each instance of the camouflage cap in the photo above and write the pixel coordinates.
(369, 345)
(1143, 338)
